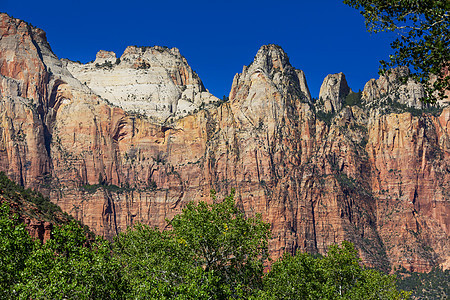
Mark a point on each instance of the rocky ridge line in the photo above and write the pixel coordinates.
(156, 82)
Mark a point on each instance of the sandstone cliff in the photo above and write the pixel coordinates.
(333, 91)
(377, 178)
(153, 81)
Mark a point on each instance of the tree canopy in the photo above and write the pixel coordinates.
(213, 251)
(423, 41)
(338, 275)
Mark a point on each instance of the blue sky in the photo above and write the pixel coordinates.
(216, 37)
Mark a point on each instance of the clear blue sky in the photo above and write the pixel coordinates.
(216, 37)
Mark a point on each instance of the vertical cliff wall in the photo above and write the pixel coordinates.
(320, 172)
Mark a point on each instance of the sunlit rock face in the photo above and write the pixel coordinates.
(154, 81)
(389, 89)
(333, 91)
(375, 176)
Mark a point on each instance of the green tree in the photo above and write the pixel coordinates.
(431, 285)
(66, 267)
(156, 265)
(212, 251)
(424, 38)
(15, 247)
(220, 238)
(335, 276)
(294, 277)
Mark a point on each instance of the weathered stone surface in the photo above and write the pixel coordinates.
(378, 179)
(333, 91)
(303, 85)
(389, 88)
(39, 230)
(153, 81)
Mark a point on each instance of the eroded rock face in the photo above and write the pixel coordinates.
(379, 180)
(39, 230)
(333, 91)
(154, 81)
(388, 89)
(411, 159)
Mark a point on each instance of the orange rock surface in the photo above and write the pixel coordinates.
(380, 180)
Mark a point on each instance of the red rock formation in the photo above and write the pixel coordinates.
(377, 179)
(40, 230)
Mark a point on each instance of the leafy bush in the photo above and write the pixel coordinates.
(325, 117)
(107, 65)
(15, 247)
(353, 99)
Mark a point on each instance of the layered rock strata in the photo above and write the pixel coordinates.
(378, 179)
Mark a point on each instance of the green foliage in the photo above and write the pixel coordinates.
(212, 251)
(92, 188)
(15, 246)
(423, 42)
(208, 251)
(325, 117)
(158, 266)
(62, 268)
(222, 240)
(144, 65)
(432, 285)
(66, 267)
(293, 277)
(394, 106)
(335, 276)
(353, 99)
(106, 65)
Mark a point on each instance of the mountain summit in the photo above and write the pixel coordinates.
(153, 81)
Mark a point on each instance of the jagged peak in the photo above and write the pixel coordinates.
(4, 17)
(270, 57)
(137, 53)
(104, 56)
(332, 92)
(24, 27)
(153, 81)
(337, 82)
(272, 62)
(390, 88)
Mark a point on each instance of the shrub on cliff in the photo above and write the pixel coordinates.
(432, 285)
(17, 194)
